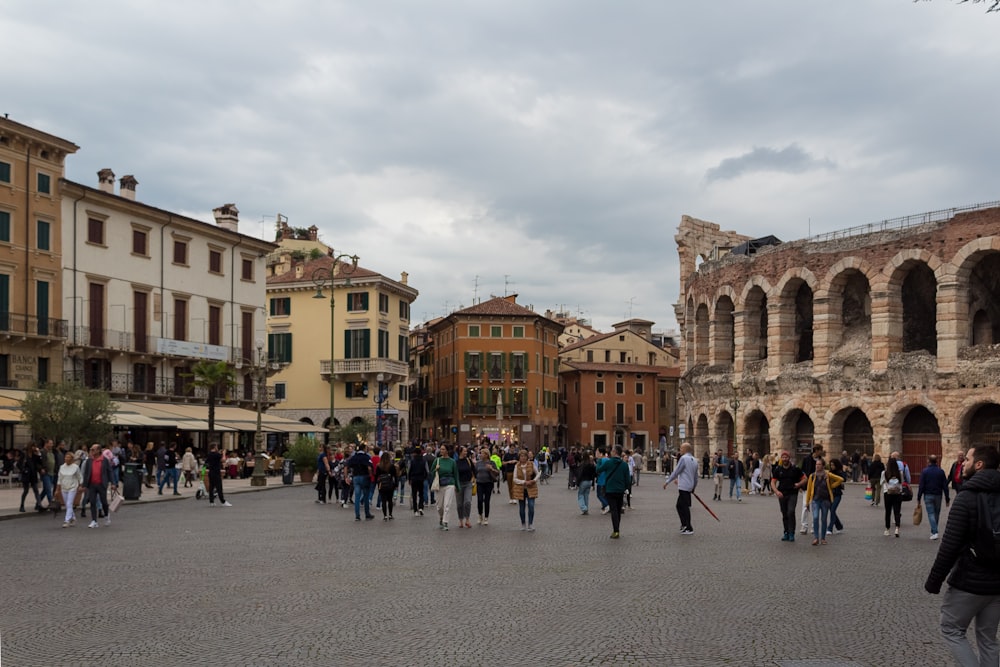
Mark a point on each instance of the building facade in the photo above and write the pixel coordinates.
(876, 339)
(422, 382)
(344, 351)
(619, 388)
(496, 375)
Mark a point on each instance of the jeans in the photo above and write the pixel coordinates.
(615, 501)
(583, 494)
(684, 508)
(787, 503)
(933, 506)
(601, 496)
(820, 512)
(484, 491)
(68, 498)
(465, 502)
(47, 487)
(169, 476)
(957, 611)
(834, 519)
(735, 482)
(361, 494)
(530, 502)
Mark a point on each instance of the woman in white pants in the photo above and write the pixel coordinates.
(70, 479)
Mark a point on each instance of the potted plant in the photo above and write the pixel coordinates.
(304, 452)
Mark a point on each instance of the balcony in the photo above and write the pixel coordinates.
(512, 410)
(364, 369)
(126, 341)
(127, 384)
(18, 324)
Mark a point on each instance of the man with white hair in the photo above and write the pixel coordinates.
(686, 475)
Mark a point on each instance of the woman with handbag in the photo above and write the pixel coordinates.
(30, 467)
(487, 473)
(526, 488)
(892, 485)
(70, 479)
(446, 474)
(466, 472)
(616, 483)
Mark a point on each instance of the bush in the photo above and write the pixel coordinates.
(304, 451)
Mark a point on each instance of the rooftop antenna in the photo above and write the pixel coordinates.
(507, 282)
(630, 302)
(475, 290)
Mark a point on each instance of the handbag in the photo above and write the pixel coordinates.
(918, 514)
(436, 483)
(868, 492)
(116, 501)
(906, 493)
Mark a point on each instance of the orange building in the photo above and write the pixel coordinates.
(496, 374)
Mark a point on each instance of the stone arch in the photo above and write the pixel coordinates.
(980, 423)
(797, 431)
(689, 332)
(308, 420)
(755, 320)
(701, 334)
(851, 431)
(757, 432)
(976, 275)
(723, 330)
(793, 335)
(699, 430)
(848, 306)
(725, 426)
(911, 313)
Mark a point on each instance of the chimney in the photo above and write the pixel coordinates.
(106, 181)
(404, 278)
(127, 189)
(227, 216)
(313, 233)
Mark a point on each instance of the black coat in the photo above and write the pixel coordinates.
(967, 574)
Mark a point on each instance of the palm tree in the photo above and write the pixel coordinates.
(216, 377)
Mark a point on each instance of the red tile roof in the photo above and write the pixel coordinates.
(325, 263)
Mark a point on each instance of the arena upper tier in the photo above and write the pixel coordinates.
(879, 338)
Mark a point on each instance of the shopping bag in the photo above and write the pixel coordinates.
(116, 501)
(436, 484)
(868, 492)
(918, 514)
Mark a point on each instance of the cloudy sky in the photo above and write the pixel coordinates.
(543, 147)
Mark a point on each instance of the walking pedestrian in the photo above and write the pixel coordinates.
(808, 468)
(933, 484)
(417, 475)
(96, 476)
(970, 554)
(362, 472)
(387, 476)
(787, 479)
(31, 465)
(719, 467)
(526, 489)
(466, 475)
(819, 495)
(875, 470)
(602, 456)
(585, 475)
(616, 483)
(70, 479)
(735, 469)
(487, 473)
(213, 466)
(685, 474)
(892, 483)
(447, 472)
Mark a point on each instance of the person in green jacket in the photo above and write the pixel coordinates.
(617, 481)
(447, 471)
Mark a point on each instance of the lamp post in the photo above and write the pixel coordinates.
(323, 277)
(381, 397)
(258, 371)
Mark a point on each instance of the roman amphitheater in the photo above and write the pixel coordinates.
(876, 338)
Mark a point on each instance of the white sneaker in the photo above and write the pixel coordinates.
(605, 510)
(227, 504)
(886, 533)
(804, 531)
(531, 529)
(65, 524)
(897, 531)
(107, 521)
(92, 524)
(934, 536)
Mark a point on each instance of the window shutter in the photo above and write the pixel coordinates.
(272, 304)
(467, 357)
(349, 389)
(367, 345)
(348, 352)
(364, 303)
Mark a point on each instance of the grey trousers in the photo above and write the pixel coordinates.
(958, 609)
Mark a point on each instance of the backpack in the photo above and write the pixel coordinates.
(986, 547)
(386, 482)
(540, 457)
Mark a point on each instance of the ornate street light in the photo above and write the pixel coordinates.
(381, 398)
(734, 403)
(323, 277)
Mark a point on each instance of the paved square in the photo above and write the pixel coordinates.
(278, 580)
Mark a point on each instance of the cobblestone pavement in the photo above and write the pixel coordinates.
(279, 580)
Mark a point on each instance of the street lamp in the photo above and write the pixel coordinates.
(734, 403)
(323, 277)
(381, 398)
(258, 371)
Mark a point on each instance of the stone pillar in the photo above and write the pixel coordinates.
(952, 325)
(825, 324)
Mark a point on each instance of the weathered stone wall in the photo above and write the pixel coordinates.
(867, 326)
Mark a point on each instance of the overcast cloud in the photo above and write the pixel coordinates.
(547, 148)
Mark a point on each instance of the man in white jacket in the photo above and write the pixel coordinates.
(686, 476)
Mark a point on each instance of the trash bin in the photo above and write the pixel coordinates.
(288, 471)
(132, 481)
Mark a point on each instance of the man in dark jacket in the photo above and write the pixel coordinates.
(736, 470)
(96, 475)
(933, 484)
(974, 585)
(955, 474)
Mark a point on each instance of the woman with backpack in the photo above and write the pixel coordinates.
(447, 474)
(386, 476)
(892, 486)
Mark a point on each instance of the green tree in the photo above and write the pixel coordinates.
(69, 412)
(216, 377)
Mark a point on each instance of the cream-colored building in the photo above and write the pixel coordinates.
(148, 293)
(367, 347)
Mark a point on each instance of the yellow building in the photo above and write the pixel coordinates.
(368, 342)
(32, 330)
